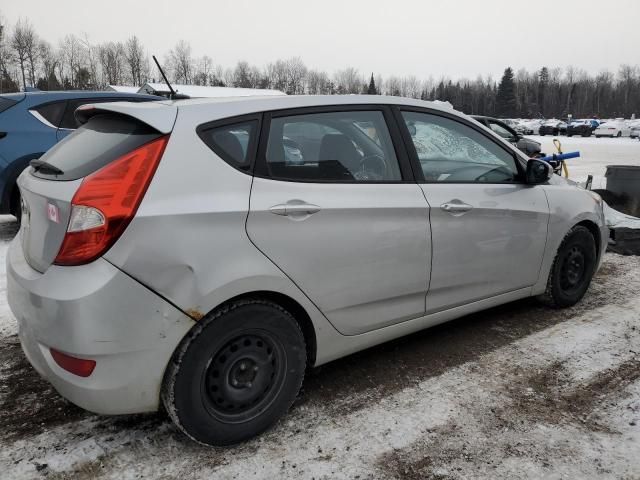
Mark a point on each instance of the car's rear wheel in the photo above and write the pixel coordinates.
(236, 373)
(619, 134)
(572, 269)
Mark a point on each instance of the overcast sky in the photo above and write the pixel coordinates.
(453, 38)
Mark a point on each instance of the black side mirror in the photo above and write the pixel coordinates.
(538, 171)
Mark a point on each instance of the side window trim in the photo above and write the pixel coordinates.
(254, 143)
(402, 155)
(413, 154)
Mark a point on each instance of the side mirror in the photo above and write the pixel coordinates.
(538, 171)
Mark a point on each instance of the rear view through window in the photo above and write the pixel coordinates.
(101, 140)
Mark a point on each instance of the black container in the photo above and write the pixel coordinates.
(624, 180)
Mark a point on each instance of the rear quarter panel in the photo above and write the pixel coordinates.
(188, 241)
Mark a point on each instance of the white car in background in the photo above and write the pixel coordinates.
(532, 127)
(613, 128)
(635, 129)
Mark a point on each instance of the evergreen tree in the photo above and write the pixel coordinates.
(506, 102)
(372, 90)
(543, 84)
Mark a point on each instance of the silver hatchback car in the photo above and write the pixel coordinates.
(203, 253)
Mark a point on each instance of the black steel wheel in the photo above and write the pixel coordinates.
(236, 373)
(244, 376)
(572, 269)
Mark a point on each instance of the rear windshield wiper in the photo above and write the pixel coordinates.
(44, 167)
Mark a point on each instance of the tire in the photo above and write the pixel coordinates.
(619, 134)
(598, 136)
(572, 269)
(236, 373)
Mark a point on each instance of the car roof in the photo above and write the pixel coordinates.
(282, 102)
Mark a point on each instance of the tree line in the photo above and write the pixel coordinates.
(74, 62)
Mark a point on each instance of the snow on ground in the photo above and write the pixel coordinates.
(596, 154)
(519, 391)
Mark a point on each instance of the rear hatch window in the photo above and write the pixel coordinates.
(101, 140)
(47, 194)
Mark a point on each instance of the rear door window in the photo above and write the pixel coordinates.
(349, 146)
(98, 142)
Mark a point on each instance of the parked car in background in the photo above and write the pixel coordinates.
(514, 125)
(532, 127)
(32, 122)
(527, 145)
(583, 128)
(160, 262)
(612, 128)
(553, 127)
(634, 126)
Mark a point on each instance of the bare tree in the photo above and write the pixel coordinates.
(181, 62)
(202, 71)
(6, 59)
(72, 61)
(49, 60)
(317, 83)
(135, 58)
(276, 75)
(348, 80)
(24, 44)
(296, 73)
(112, 62)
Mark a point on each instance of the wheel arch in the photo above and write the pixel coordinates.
(298, 312)
(595, 231)
(10, 176)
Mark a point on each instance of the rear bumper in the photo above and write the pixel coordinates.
(95, 311)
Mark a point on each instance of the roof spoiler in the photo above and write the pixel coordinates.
(159, 116)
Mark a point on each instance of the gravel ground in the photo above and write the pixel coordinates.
(519, 391)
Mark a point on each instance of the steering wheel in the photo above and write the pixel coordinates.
(372, 167)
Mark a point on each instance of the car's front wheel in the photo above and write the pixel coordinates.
(572, 269)
(236, 373)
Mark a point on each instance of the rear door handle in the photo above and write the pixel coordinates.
(291, 208)
(456, 207)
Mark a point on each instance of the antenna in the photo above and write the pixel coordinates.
(173, 93)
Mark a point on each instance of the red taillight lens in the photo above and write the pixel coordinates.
(106, 202)
(78, 366)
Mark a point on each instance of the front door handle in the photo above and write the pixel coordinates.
(456, 207)
(295, 208)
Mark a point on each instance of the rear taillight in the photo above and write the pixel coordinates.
(106, 202)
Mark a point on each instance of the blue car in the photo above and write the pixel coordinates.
(31, 123)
